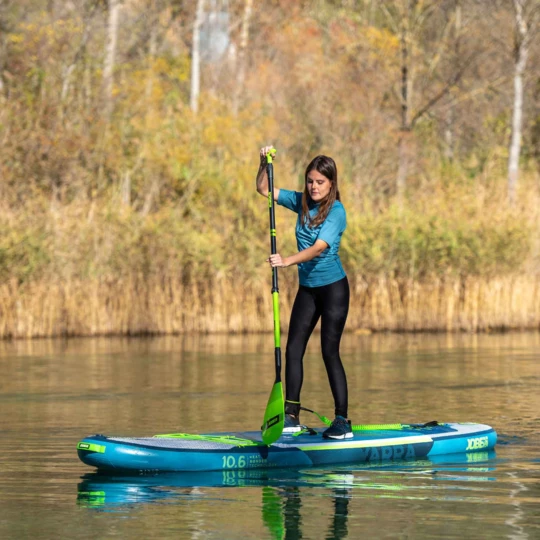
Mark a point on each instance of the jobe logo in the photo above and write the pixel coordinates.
(477, 443)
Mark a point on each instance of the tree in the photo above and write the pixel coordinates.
(8, 16)
(88, 10)
(196, 58)
(449, 136)
(244, 38)
(423, 42)
(526, 18)
(110, 54)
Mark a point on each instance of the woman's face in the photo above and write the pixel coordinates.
(318, 185)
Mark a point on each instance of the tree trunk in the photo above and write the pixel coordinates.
(242, 61)
(406, 91)
(110, 54)
(521, 53)
(125, 189)
(449, 135)
(152, 48)
(403, 167)
(68, 71)
(196, 58)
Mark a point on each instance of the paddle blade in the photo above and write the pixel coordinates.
(274, 416)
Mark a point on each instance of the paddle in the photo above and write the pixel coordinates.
(274, 415)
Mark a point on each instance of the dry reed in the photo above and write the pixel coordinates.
(168, 305)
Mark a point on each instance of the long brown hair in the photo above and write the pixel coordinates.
(327, 167)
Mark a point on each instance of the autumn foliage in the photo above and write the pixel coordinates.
(154, 196)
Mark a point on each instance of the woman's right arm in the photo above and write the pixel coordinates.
(262, 177)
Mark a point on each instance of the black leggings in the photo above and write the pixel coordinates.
(330, 303)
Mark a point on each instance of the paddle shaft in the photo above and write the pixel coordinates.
(273, 251)
(274, 414)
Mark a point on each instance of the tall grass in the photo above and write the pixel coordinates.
(445, 262)
(167, 305)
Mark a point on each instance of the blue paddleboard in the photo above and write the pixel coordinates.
(232, 451)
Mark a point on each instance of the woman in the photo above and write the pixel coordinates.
(324, 289)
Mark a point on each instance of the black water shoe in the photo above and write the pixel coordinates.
(340, 429)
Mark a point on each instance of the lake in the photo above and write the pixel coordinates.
(54, 392)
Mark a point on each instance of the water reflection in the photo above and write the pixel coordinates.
(283, 491)
(282, 516)
(53, 392)
(145, 386)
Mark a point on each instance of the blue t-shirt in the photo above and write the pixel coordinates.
(326, 268)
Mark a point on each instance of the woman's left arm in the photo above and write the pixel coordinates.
(301, 257)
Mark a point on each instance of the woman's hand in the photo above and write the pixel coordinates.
(262, 176)
(263, 152)
(276, 261)
(298, 258)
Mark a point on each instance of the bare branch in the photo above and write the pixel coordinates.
(449, 84)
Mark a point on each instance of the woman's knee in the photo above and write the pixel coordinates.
(330, 354)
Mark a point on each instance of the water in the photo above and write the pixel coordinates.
(53, 392)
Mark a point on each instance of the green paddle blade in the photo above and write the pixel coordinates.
(274, 416)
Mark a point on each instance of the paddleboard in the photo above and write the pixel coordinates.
(183, 452)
